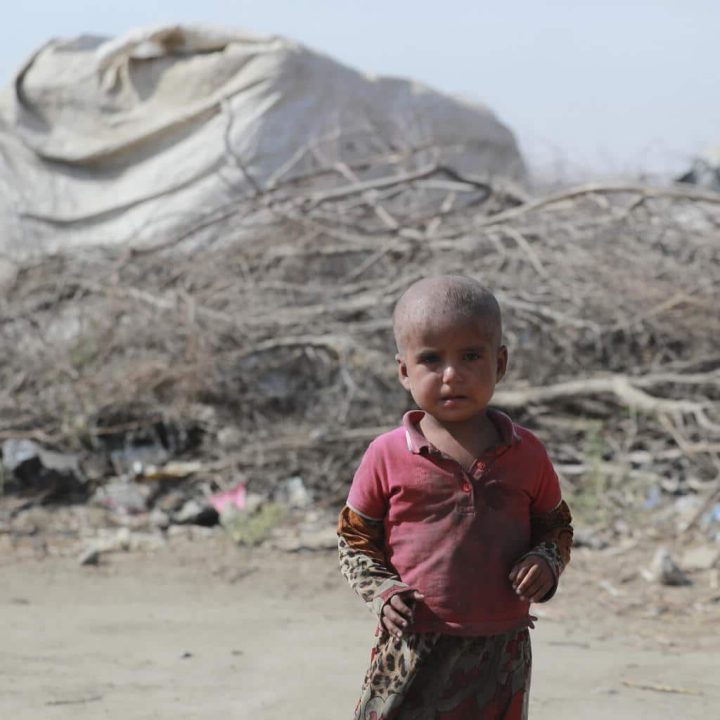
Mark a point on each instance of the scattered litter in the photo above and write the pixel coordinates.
(91, 556)
(159, 519)
(714, 516)
(194, 512)
(122, 495)
(132, 460)
(46, 475)
(664, 570)
(295, 494)
(235, 498)
(711, 523)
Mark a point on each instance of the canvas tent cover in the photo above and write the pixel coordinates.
(119, 140)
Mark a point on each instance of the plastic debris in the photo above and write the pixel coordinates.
(91, 556)
(235, 497)
(134, 459)
(711, 523)
(159, 519)
(664, 570)
(295, 494)
(30, 469)
(713, 517)
(122, 496)
(653, 498)
(194, 512)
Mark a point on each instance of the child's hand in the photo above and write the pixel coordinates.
(397, 613)
(532, 579)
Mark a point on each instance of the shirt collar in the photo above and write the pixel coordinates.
(418, 444)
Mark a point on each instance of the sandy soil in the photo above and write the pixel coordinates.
(204, 629)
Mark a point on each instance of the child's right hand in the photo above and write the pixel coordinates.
(397, 613)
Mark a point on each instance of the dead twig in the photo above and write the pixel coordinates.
(658, 687)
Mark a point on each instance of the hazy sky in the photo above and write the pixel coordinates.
(610, 86)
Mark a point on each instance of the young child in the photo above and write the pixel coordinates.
(454, 523)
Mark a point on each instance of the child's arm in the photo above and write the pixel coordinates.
(535, 576)
(361, 545)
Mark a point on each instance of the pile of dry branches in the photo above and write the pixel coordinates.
(260, 337)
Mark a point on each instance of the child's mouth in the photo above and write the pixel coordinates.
(452, 399)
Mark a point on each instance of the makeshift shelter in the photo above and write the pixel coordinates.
(126, 140)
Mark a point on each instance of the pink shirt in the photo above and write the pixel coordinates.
(455, 535)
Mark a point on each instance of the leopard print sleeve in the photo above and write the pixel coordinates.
(361, 548)
(551, 538)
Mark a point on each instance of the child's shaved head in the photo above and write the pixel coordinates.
(448, 298)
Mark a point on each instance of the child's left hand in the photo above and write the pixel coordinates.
(532, 579)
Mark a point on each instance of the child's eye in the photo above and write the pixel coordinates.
(472, 355)
(429, 358)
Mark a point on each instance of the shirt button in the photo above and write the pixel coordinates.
(466, 487)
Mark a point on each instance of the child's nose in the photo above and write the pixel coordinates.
(449, 373)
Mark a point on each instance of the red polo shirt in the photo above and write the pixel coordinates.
(455, 535)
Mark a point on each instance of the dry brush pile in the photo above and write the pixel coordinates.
(259, 340)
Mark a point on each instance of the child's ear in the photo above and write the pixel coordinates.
(402, 372)
(502, 361)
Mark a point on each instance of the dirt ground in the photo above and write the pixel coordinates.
(201, 628)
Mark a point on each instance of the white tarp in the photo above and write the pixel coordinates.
(112, 141)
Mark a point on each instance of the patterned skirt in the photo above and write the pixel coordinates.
(427, 676)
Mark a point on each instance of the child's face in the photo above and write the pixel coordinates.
(451, 366)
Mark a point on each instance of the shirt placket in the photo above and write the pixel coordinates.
(468, 479)
(466, 497)
(472, 478)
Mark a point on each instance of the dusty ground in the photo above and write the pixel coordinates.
(203, 629)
